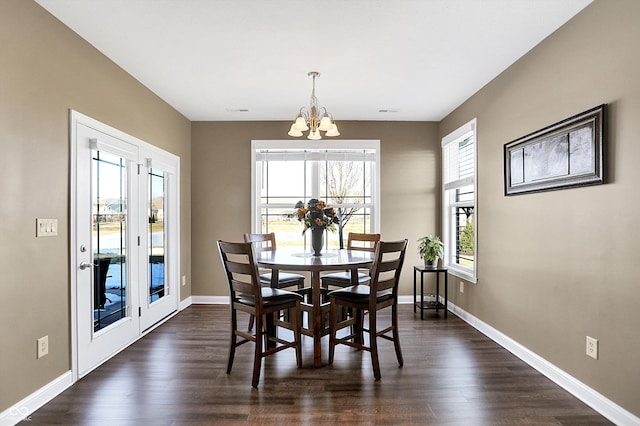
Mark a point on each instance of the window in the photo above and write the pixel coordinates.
(344, 174)
(156, 238)
(459, 201)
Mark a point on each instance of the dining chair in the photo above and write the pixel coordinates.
(267, 242)
(382, 292)
(264, 303)
(355, 241)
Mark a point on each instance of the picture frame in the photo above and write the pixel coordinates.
(566, 154)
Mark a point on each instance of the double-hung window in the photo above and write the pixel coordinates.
(343, 174)
(459, 201)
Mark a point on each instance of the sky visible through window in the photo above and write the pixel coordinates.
(344, 185)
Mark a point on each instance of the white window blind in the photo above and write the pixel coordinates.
(315, 155)
(458, 162)
(116, 147)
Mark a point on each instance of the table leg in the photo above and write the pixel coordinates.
(446, 293)
(357, 327)
(317, 318)
(437, 292)
(414, 290)
(270, 326)
(421, 295)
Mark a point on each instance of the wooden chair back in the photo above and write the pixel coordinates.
(262, 242)
(241, 270)
(386, 268)
(362, 242)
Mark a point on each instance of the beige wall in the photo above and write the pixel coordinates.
(45, 70)
(221, 205)
(557, 266)
(553, 267)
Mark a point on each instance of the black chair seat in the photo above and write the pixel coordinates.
(285, 279)
(359, 293)
(272, 296)
(344, 277)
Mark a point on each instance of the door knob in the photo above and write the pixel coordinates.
(85, 265)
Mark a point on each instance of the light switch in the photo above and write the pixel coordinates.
(46, 227)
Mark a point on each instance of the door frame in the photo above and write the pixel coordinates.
(76, 118)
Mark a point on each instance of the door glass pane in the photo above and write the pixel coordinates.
(109, 232)
(156, 267)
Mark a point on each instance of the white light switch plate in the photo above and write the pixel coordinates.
(46, 227)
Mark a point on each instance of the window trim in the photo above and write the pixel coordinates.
(373, 144)
(457, 135)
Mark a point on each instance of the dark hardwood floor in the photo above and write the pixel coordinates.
(452, 375)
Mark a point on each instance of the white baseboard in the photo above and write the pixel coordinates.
(224, 300)
(593, 399)
(405, 300)
(210, 300)
(184, 304)
(21, 411)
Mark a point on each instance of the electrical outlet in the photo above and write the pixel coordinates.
(43, 346)
(592, 347)
(461, 286)
(183, 281)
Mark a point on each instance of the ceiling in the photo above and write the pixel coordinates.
(231, 60)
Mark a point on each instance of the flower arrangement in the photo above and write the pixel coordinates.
(317, 215)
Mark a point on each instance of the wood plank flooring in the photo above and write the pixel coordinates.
(452, 375)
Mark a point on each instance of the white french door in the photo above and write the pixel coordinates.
(159, 239)
(124, 242)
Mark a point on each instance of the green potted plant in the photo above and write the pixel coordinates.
(430, 249)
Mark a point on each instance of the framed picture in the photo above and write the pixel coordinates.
(566, 154)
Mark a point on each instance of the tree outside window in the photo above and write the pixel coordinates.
(345, 178)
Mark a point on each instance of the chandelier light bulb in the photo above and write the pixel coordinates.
(294, 132)
(314, 135)
(325, 123)
(333, 131)
(301, 124)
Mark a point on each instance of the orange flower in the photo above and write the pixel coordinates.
(316, 215)
(301, 212)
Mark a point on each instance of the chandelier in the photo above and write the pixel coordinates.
(311, 118)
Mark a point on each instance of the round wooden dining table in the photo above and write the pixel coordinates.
(295, 259)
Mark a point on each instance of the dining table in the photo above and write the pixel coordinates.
(296, 259)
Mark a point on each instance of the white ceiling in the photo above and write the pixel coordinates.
(211, 58)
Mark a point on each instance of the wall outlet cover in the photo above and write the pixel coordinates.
(592, 347)
(43, 346)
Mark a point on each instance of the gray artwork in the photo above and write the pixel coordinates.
(581, 158)
(568, 153)
(546, 159)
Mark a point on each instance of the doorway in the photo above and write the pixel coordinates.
(124, 239)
